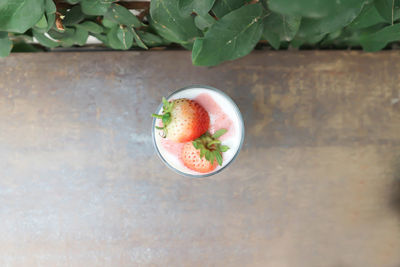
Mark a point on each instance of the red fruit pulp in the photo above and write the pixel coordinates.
(221, 120)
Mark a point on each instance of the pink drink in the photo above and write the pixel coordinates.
(223, 113)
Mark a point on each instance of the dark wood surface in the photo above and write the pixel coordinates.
(317, 182)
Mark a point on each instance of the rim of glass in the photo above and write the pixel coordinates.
(241, 122)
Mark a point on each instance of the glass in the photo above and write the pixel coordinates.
(237, 123)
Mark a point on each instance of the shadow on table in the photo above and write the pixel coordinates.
(395, 193)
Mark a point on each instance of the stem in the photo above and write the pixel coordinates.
(157, 116)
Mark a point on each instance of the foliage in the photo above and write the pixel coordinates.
(215, 30)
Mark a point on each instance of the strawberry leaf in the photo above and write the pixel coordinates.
(219, 133)
(195, 144)
(219, 157)
(208, 155)
(167, 106)
(166, 118)
(224, 148)
(166, 115)
(202, 152)
(212, 157)
(171, 105)
(165, 102)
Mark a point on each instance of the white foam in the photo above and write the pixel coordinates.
(233, 141)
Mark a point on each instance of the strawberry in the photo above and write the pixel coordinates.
(205, 153)
(183, 120)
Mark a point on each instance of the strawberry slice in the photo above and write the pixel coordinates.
(205, 153)
(183, 120)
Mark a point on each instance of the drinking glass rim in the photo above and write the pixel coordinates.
(241, 122)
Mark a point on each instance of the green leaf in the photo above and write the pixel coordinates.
(331, 37)
(21, 38)
(219, 157)
(306, 8)
(44, 40)
(70, 36)
(188, 46)
(272, 37)
(233, 36)
(352, 38)
(197, 46)
(108, 23)
(81, 35)
(165, 103)
(73, 1)
(90, 26)
(368, 17)
(42, 23)
(138, 41)
(202, 152)
(5, 44)
(126, 38)
(24, 47)
(67, 37)
(20, 15)
(313, 8)
(67, 42)
(51, 18)
(379, 39)
(297, 43)
(310, 40)
(95, 7)
(212, 156)
(50, 7)
(73, 16)
(223, 7)
(224, 148)
(344, 15)
(201, 7)
(195, 144)
(208, 155)
(102, 37)
(203, 22)
(388, 9)
(219, 133)
(121, 15)
(120, 38)
(167, 20)
(57, 34)
(151, 39)
(286, 26)
(264, 4)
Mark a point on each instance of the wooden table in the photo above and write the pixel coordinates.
(317, 182)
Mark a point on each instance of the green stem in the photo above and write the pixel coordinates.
(157, 116)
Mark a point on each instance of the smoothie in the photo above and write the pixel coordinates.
(223, 114)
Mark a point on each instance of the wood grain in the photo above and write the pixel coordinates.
(317, 182)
